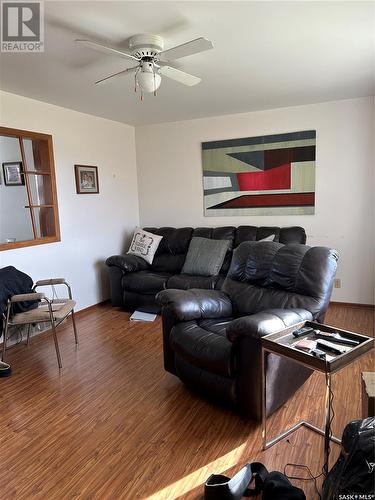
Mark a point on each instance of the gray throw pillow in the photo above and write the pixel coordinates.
(205, 256)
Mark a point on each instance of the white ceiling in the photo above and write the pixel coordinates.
(266, 55)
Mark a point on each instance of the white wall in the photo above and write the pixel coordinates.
(92, 226)
(170, 179)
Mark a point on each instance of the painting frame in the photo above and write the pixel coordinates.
(263, 175)
(87, 179)
(13, 173)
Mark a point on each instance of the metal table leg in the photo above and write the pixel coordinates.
(327, 428)
(328, 413)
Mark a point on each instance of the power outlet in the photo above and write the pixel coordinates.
(337, 283)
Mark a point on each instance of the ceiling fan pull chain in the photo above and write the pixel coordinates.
(155, 93)
(135, 80)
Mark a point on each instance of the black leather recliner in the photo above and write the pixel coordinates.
(212, 338)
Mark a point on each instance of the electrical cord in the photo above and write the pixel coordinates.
(312, 477)
(299, 478)
(331, 397)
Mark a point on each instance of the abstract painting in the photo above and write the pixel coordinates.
(266, 175)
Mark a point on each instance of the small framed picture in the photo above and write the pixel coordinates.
(13, 173)
(87, 181)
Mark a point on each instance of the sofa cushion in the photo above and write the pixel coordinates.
(205, 256)
(186, 281)
(168, 263)
(175, 240)
(147, 282)
(283, 235)
(171, 253)
(205, 345)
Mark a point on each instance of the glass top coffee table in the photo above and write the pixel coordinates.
(283, 343)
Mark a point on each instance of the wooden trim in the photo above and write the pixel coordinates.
(54, 187)
(36, 172)
(26, 134)
(352, 304)
(39, 206)
(24, 161)
(90, 308)
(28, 243)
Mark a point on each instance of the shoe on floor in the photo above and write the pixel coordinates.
(5, 369)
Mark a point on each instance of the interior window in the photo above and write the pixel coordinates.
(28, 200)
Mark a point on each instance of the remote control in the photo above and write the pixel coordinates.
(302, 331)
(329, 346)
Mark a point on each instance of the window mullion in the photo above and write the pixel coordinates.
(26, 177)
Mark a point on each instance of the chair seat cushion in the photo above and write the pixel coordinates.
(186, 281)
(41, 314)
(147, 282)
(205, 345)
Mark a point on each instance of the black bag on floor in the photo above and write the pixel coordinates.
(274, 485)
(353, 473)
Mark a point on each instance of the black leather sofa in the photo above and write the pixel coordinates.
(135, 283)
(212, 338)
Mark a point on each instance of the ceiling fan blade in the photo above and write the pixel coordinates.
(187, 49)
(179, 76)
(120, 73)
(106, 50)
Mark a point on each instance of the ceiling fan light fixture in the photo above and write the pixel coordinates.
(153, 61)
(148, 81)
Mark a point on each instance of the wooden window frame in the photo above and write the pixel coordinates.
(21, 135)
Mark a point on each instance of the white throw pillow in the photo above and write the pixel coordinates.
(144, 244)
(271, 237)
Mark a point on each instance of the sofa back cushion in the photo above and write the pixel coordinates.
(267, 275)
(171, 253)
(283, 235)
(172, 250)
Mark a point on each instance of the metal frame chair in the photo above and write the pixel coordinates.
(52, 311)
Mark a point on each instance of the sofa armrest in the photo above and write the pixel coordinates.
(128, 263)
(269, 321)
(186, 305)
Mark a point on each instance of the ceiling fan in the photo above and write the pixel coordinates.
(152, 60)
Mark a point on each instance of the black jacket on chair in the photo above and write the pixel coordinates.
(212, 338)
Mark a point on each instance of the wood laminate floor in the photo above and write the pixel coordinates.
(114, 425)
